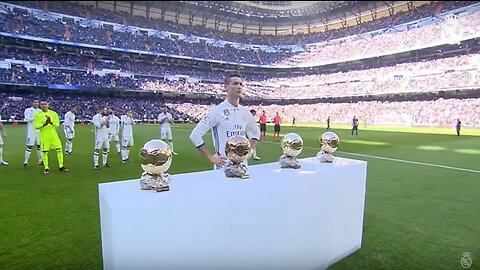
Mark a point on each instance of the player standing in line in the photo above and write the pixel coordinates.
(328, 123)
(354, 126)
(114, 129)
(254, 152)
(227, 119)
(263, 125)
(276, 129)
(69, 129)
(101, 121)
(165, 119)
(127, 123)
(293, 122)
(4, 134)
(47, 122)
(33, 136)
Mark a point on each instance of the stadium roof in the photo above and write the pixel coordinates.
(265, 12)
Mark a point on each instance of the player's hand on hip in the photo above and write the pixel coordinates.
(218, 160)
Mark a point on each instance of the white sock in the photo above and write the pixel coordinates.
(27, 154)
(1, 153)
(104, 157)
(71, 147)
(39, 154)
(123, 153)
(171, 145)
(127, 151)
(254, 154)
(68, 146)
(117, 144)
(95, 159)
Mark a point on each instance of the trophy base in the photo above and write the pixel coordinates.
(157, 182)
(237, 171)
(289, 162)
(325, 157)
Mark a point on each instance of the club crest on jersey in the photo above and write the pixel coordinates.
(206, 119)
(226, 112)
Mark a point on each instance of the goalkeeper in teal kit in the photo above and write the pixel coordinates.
(47, 123)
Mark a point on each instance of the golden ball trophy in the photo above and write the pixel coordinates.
(237, 149)
(155, 158)
(329, 142)
(292, 146)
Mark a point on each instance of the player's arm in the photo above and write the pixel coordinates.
(55, 120)
(71, 122)
(252, 130)
(197, 138)
(39, 122)
(29, 117)
(118, 124)
(2, 130)
(97, 122)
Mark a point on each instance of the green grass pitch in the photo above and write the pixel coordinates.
(417, 216)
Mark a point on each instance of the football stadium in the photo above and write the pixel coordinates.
(158, 135)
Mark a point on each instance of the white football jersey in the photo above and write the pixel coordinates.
(101, 130)
(127, 123)
(29, 117)
(69, 120)
(114, 124)
(225, 121)
(166, 116)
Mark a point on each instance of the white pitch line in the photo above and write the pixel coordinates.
(398, 160)
(386, 158)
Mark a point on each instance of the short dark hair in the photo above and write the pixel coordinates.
(252, 111)
(229, 77)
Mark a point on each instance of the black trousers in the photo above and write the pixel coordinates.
(355, 129)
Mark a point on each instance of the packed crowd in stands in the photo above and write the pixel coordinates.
(440, 112)
(19, 22)
(426, 76)
(90, 12)
(382, 44)
(12, 106)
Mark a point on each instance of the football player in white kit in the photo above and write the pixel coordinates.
(33, 135)
(127, 123)
(114, 129)
(165, 119)
(4, 134)
(101, 121)
(69, 129)
(226, 120)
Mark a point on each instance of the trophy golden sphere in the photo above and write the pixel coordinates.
(238, 149)
(292, 145)
(155, 157)
(329, 142)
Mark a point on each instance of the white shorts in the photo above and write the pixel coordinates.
(33, 138)
(166, 133)
(69, 134)
(127, 141)
(113, 137)
(102, 143)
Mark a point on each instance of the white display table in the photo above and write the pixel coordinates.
(278, 219)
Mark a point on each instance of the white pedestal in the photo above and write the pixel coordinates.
(278, 219)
